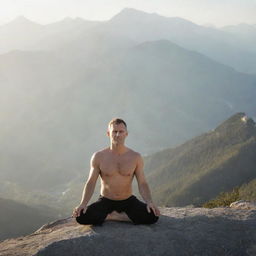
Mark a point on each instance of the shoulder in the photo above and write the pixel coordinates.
(97, 156)
(135, 155)
(100, 153)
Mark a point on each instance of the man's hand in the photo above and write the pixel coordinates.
(151, 206)
(78, 209)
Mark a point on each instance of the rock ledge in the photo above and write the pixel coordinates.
(180, 231)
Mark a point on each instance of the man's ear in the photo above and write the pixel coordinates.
(108, 133)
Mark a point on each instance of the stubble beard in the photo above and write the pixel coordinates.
(117, 141)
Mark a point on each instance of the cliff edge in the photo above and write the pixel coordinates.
(179, 231)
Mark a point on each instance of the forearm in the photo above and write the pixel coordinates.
(87, 193)
(145, 192)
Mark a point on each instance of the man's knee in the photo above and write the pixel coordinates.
(87, 221)
(90, 219)
(148, 218)
(151, 219)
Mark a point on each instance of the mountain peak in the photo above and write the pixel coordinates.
(130, 13)
(22, 21)
(238, 122)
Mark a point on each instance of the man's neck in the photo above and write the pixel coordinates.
(118, 148)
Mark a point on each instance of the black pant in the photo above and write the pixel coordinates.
(134, 208)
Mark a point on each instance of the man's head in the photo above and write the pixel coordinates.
(117, 131)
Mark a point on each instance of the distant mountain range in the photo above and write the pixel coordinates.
(23, 34)
(233, 45)
(201, 168)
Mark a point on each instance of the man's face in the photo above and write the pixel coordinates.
(117, 133)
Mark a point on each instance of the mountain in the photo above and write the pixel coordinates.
(18, 34)
(56, 35)
(215, 43)
(17, 219)
(23, 34)
(219, 44)
(48, 101)
(201, 168)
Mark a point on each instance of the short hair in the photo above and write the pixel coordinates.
(117, 121)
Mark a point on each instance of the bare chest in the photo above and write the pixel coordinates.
(118, 165)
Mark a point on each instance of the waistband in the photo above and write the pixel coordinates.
(105, 198)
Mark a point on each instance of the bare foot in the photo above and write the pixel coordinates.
(122, 216)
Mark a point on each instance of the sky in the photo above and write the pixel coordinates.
(203, 12)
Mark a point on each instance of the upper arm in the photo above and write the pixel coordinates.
(94, 168)
(139, 173)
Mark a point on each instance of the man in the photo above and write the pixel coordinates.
(116, 165)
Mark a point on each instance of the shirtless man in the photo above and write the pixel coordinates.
(116, 165)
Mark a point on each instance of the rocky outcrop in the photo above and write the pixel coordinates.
(179, 231)
(243, 204)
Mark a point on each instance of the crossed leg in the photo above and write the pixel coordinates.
(132, 210)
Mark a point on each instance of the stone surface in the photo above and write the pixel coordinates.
(180, 231)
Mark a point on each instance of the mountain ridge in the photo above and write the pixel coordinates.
(214, 43)
(211, 162)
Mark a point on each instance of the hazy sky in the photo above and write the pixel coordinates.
(217, 12)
